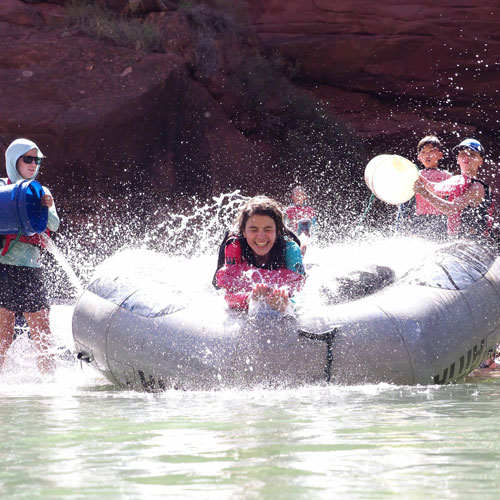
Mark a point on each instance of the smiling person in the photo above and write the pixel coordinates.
(465, 199)
(260, 259)
(418, 216)
(22, 287)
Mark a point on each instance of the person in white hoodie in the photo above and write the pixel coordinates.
(22, 284)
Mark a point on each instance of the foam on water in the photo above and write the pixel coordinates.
(63, 262)
(20, 375)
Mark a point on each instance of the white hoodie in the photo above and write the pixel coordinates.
(17, 149)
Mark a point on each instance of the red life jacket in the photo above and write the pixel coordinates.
(35, 239)
(239, 275)
(232, 253)
(242, 278)
(238, 278)
(457, 186)
(295, 213)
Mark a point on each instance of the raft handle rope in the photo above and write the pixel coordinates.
(365, 213)
(328, 338)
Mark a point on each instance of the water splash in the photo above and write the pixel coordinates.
(180, 251)
(63, 262)
(197, 232)
(19, 373)
(181, 248)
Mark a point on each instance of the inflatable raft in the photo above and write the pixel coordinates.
(433, 325)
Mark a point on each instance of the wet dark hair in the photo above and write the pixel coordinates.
(261, 205)
(430, 139)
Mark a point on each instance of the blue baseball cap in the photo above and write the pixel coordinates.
(470, 144)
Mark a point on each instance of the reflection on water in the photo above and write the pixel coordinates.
(83, 439)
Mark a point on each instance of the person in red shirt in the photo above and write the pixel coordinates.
(301, 217)
(418, 216)
(464, 198)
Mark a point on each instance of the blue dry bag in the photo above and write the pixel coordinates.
(21, 210)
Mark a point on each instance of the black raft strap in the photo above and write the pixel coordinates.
(325, 337)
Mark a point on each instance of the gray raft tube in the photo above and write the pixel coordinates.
(433, 326)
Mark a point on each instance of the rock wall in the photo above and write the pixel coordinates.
(395, 70)
(111, 117)
(181, 119)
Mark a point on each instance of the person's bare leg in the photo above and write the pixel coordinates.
(7, 319)
(41, 335)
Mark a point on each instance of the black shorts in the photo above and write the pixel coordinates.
(22, 289)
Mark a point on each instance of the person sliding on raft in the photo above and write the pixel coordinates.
(418, 216)
(469, 201)
(301, 217)
(261, 259)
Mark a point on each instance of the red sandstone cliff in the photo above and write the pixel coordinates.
(199, 114)
(108, 114)
(391, 68)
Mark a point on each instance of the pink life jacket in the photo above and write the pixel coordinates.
(423, 207)
(296, 213)
(456, 186)
(243, 277)
(238, 278)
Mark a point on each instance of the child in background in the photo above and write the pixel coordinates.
(300, 217)
(418, 216)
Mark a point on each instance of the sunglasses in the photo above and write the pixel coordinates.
(29, 159)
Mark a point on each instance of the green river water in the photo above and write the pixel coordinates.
(76, 437)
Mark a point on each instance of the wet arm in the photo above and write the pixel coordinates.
(53, 220)
(472, 197)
